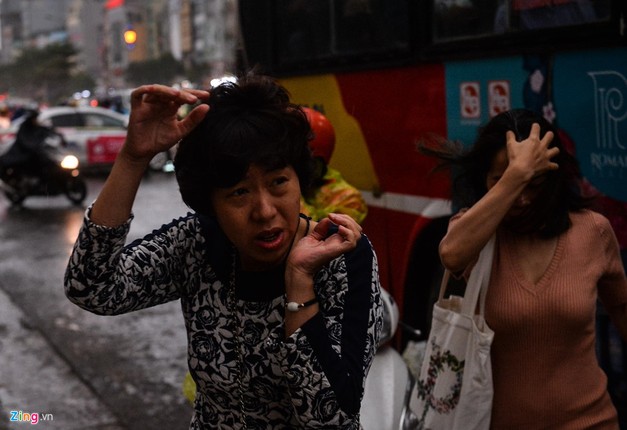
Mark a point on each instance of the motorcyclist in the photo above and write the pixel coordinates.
(330, 191)
(28, 152)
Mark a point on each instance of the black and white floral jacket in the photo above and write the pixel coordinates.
(312, 379)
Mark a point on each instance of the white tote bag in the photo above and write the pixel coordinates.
(455, 386)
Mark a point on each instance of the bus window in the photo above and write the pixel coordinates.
(303, 29)
(454, 19)
(463, 19)
(333, 30)
(369, 25)
(513, 15)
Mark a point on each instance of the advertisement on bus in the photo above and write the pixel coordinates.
(586, 100)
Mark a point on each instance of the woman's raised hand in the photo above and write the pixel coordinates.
(324, 243)
(154, 125)
(531, 156)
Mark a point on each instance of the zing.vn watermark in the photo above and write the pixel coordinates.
(29, 417)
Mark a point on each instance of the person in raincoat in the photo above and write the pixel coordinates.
(330, 192)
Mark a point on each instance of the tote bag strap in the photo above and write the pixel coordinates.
(445, 278)
(479, 279)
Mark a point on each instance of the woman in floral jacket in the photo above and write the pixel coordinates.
(282, 313)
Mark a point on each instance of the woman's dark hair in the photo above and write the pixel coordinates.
(559, 194)
(251, 121)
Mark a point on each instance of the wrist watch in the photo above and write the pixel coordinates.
(295, 306)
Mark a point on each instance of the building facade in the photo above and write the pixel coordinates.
(200, 34)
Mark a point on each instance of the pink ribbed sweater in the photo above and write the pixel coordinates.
(546, 374)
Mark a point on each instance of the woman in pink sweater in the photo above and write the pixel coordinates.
(553, 259)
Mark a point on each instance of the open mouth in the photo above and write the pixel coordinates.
(270, 239)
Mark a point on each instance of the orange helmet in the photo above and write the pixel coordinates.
(323, 141)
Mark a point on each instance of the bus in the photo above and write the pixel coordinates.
(388, 73)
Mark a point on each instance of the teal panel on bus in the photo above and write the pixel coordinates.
(477, 90)
(590, 93)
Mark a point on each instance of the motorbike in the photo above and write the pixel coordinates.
(390, 384)
(61, 177)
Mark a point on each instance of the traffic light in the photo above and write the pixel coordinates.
(130, 37)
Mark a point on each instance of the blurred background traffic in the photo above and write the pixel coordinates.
(89, 52)
(86, 55)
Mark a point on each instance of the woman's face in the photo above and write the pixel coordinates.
(260, 215)
(528, 194)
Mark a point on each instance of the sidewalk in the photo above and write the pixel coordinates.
(35, 380)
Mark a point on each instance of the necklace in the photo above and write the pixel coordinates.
(232, 299)
(232, 305)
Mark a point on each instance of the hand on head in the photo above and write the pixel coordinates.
(531, 156)
(153, 124)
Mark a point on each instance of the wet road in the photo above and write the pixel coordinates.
(85, 371)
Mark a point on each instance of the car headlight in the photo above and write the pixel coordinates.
(69, 162)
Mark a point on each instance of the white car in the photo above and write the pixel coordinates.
(94, 134)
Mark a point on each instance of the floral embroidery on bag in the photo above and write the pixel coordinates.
(440, 361)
